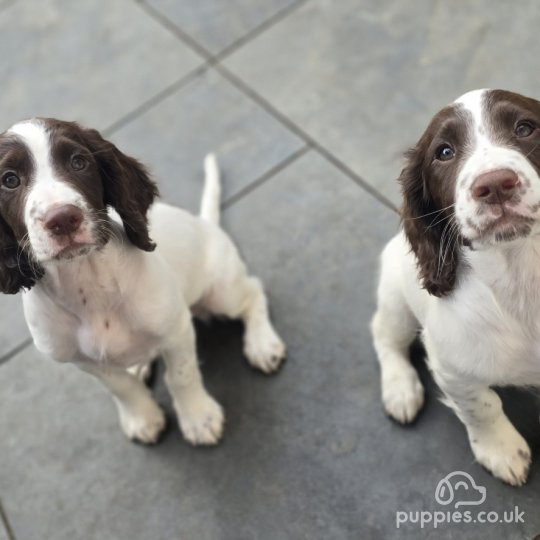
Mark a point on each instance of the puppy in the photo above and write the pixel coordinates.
(466, 270)
(111, 278)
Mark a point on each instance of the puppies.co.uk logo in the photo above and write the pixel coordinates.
(457, 490)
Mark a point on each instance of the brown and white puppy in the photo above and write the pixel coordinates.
(78, 224)
(466, 269)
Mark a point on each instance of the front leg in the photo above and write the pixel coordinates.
(496, 443)
(201, 417)
(140, 417)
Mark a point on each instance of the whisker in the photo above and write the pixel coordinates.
(533, 149)
(451, 240)
(441, 246)
(430, 213)
(438, 222)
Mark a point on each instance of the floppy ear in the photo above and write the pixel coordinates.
(429, 230)
(127, 188)
(17, 271)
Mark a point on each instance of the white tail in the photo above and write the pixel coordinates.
(212, 190)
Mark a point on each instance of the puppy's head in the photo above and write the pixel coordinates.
(472, 178)
(56, 181)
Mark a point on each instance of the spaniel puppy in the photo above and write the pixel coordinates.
(110, 277)
(466, 269)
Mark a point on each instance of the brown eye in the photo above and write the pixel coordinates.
(444, 153)
(524, 129)
(11, 180)
(78, 163)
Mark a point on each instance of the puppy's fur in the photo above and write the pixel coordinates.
(466, 270)
(110, 277)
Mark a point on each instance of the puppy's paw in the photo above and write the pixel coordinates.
(201, 420)
(402, 394)
(264, 349)
(503, 451)
(144, 424)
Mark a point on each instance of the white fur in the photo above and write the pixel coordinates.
(212, 196)
(117, 308)
(485, 333)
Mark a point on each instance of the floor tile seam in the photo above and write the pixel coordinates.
(265, 177)
(308, 139)
(16, 350)
(215, 62)
(5, 522)
(155, 100)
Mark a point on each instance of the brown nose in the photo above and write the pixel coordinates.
(63, 220)
(495, 187)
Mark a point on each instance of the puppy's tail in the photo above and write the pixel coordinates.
(212, 190)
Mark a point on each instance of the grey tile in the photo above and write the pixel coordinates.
(88, 61)
(364, 77)
(13, 329)
(208, 114)
(216, 24)
(3, 532)
(307, 453)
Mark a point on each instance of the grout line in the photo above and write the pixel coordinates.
(176, 30)
(4, 520)
(17, 349)
(254, 32)
(155, 100)
(270, 109)
(215, 61)
(265, 177)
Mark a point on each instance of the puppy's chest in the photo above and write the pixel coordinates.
(112, 336)
(111, 327)
(504, 340)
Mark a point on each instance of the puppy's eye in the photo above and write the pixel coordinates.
(444, 153)
(78, 163)
(524, 129)
(11, 180)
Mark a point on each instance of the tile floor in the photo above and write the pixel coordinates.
(309, 105)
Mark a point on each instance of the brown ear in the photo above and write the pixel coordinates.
(17, 270)
(430, 231)
(127, 188)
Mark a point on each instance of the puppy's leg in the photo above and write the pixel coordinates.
(242, 296)
(496, 443)
(394, 328)
(262, 346)
(140, 417)
(201, 417)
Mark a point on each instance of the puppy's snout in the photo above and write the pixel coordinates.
(63, 220)
(495, 187)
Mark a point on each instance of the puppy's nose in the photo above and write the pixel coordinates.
(495, 187)
(63, 220)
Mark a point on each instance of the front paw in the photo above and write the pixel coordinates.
(264, 349)
(402, 394)
(144, 424)
(503, 451)
(201, 420)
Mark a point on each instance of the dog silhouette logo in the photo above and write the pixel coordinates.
(460, 487)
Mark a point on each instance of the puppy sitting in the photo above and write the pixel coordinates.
(466, 269)
(100, 293)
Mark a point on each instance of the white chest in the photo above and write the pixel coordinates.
(113, 338)
(494, 342)
(99, 310)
